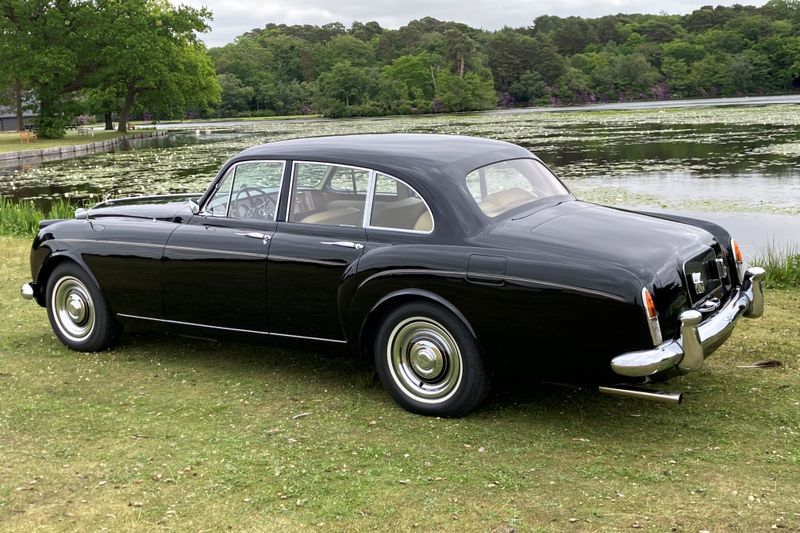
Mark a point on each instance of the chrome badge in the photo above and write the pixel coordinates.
(699, 286)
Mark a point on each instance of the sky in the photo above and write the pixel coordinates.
(234, 17)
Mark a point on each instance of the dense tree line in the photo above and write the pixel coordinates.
(142, 57)
(430, 66)
(69, 57)
(425, 66)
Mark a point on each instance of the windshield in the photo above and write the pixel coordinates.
(502, 186)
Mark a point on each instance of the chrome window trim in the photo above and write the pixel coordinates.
(233, 168)
(238, 330)
(292, 178)
(371, 199)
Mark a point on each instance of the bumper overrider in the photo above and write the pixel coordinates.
(697, 339)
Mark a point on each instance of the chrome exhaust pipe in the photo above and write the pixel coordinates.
(644, 394)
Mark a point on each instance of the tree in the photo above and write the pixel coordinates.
(510, 54)
(235, 95)
(346, 48)
(469, 93)
(365, 32)
(414, 73)
(343, 86)
(529, 88)
(47, 48)
(151, 53)
(123, 48)
(460, 47)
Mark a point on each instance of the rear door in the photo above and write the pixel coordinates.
(314, 253)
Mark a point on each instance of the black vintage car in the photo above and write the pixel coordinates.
(443, 257)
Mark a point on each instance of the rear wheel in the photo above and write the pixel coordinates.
(429, 362)
(78, 312)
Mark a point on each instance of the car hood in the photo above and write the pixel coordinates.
(587, 233)
(162, 207)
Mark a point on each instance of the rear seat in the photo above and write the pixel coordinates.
(402, 214)
(502, 201)
(345, 216)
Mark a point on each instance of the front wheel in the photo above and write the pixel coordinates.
(429, 362)
(78, 312)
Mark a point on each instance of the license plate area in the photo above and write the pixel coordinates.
(704, 277)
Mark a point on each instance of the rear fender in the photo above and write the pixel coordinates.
(368, 323)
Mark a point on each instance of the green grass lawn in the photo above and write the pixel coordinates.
(9, 142)
(171, 433)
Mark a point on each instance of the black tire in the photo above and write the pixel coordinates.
(429, 361)
(78, 312)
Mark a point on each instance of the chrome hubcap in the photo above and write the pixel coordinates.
(76, 308)
(73, 308)
(424, 359)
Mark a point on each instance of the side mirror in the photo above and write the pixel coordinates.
(194, 206)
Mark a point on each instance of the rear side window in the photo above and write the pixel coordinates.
(397, 206)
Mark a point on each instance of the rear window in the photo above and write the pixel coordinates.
(504, 185)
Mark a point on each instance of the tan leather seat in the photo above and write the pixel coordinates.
(424, 222)
(346, 216)
(401, 214)
(502, 201)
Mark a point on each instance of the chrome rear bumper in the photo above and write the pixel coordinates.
(697, 340)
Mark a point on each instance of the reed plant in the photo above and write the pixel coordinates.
(22, 218)
(782, 265)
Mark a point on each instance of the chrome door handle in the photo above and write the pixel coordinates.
(344, 244)
(256, 235)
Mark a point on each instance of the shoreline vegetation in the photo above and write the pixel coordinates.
(10, 142)
(426, 66)
(22, 219)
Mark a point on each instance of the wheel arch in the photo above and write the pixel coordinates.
(368, 325)
(51, 262)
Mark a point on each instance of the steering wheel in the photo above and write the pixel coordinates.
(261, 203)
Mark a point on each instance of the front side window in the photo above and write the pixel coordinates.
(333, 195)
(504, 185)
(248, 190)
(397, 206)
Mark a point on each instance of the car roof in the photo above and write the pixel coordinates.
(412, 154)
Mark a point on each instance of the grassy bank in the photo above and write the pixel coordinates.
(183, 434)
(9, 142)
(22, 218)
(782, 266)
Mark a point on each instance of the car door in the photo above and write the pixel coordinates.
(215, 266)
(314, 253)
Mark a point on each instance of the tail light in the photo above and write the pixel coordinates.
(651, 315)
(738, 258)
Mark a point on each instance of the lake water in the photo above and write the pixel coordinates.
(735, 165)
